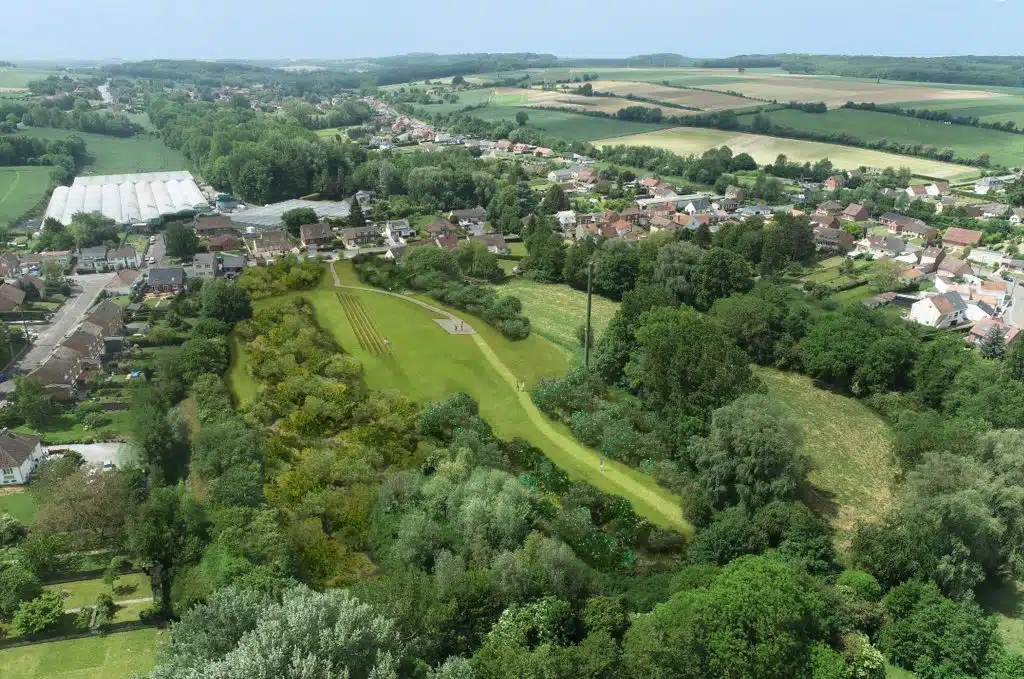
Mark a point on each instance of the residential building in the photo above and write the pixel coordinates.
(223, 243)
(441, 227)
(834, 183)
(587, 176)
(204, 265)
(982, 329)
(829, 207)
(560, 176)
(660, 223)
(473, 215)
(214, 225)
(988, 185)
(58, 374)
(319, 235)
(837, 240)
(268, 244)
(92, 259)
(1017, 215)
(122, 258)
(566, 219)
(125, 283)
(943, 203)
(947, 310)
(854, 213)
(956, 237)
(170, 279)
(735, 192)
(755, 211)
(917, 191)
(697, 205)
(826, 220)
(936, 189)
(446, 242)
(631, 214)
(931, 257)
(231, 266)
(398, 229)
(35, 281)
(495, 243)
(35, 260)
(19, 455)
(907, 226)
(360, 235)
(954, 267)
(882, 246)
(365, 197)
(993, 210)
(11, 296)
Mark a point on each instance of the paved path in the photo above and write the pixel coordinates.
(1015, 314)
(578, 461)
(125, 602)
(95, 453)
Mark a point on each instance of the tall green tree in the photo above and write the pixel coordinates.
(719, 273)
(223, 300)
(181, 241)
(33, 403)
(296, 217)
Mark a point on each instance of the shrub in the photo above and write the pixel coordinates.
(83, 618)
(39, 615)
(12, 531)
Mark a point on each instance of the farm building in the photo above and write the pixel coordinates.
(268, 217)
(127, 198)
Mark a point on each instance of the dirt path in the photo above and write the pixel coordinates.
(10, 189)
(124, 602)
(610, 476)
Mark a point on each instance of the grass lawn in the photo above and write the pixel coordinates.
(19, 504)
(427, 363)
(764, 149)
(112, 656)
(849, 445)
(568, 125)
(555, 311)
(84, 592)
(116, 155)
(893, 672)
(968, 142)
(995, 110)
(67, 429)
(21, 189)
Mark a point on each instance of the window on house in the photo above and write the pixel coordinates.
(8, 471)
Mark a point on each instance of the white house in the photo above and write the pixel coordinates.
(987, 185)
(940, 311)
(19, 455)
(566, 219)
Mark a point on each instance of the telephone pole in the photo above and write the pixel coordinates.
(586, 332)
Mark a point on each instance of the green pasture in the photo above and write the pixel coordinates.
(995, 110)
(110, 656)
(21, 189)
(17, 78)
(968, 142)
(849, 445)
(568, 125)
(117, 155)
(556, 311)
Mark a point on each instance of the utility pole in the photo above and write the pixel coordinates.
(586, 333)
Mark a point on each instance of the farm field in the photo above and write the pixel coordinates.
(19, 78)
(110, 656)
(569, 125)
(21, 189)
(699, 99)
(556, 311)
(764, 149)
(19, 504)
(968, 142)
(848, 443)
(115, 155)
(995, 110)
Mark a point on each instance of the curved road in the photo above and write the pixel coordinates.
(657, 504)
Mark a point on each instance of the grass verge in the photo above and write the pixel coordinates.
(112, 656)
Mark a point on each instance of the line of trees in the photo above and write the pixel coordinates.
(69, 113)
(941, 116)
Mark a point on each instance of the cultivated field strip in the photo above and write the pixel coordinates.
(370, 338)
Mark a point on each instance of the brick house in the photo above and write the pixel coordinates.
(319, 234)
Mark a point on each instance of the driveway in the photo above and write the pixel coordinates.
(94, 453)
(64, 319)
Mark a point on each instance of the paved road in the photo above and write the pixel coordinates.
(64, 319)
(157, 251)
(650, 500)
(1015, 314)
(93, 453)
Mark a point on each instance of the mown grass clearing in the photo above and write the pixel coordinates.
(849, 444)
(19, 503)
(967, 142)
(764, 149)
(111, 656)
(117, 155)
(556, 311)
(84, 592)
(19, 78)
(21, 189)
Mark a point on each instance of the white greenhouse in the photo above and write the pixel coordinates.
(127, 198)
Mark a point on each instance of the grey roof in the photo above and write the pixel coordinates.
(95, 252)
(232, 261)
(270, 215)
(15, 448)
(205, 258)
(169, 276)
(127, 252)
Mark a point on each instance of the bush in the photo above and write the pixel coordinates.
(12, 531)
(39, 615)
(83, 618)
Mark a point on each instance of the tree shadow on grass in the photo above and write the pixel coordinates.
(1005, 598)
(821, 501)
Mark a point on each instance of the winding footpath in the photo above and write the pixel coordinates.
(656, 503)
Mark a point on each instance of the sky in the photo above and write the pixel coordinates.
(335, 29)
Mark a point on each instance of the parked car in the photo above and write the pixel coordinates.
(151, 260)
